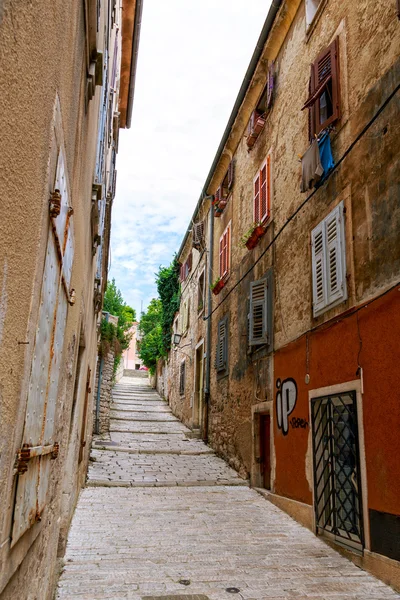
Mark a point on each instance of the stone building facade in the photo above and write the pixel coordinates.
(305, 304)
(60, 81)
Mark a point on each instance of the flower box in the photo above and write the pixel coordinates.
(255, 237)
(218, 287)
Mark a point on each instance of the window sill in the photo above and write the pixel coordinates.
(310, 28)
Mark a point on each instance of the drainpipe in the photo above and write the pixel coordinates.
(209, 309)
(97, 428)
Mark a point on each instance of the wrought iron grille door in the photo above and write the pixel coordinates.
(337, 485)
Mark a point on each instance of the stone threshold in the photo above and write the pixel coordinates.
(133, 451)
(136, 484)
(147, 432)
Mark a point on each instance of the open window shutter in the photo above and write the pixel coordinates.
(227, 249)
(190, 262)
(217, 196)
(257, 199)
(263, 193)
(258, 312)
(335, 255)
(325, 68)
(311, 110)
(270, 85)
(221, 256)
(318, 268)
(231, 170)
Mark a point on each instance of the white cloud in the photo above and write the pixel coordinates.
(192, 60)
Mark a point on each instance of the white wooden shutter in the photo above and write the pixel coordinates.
(329, 261)
(335, 255)
(258, 313)
(319, 268)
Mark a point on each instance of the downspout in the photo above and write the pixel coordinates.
(97, 428)
(209, 308)
(134, 60)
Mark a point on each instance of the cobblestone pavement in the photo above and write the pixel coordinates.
(192, 541)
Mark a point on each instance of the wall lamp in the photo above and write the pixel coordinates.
(177, 339)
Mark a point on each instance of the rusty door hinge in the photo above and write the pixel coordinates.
(27, 452)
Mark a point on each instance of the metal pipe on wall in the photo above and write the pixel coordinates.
(209, 308)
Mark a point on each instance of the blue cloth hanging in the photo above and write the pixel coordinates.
(325, 153)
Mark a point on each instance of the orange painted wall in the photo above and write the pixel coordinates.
(373, 334)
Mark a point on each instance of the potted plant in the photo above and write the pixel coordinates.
(217, 286)
(251, 238)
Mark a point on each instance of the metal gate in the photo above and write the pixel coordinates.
(38, 444)
(337, 484)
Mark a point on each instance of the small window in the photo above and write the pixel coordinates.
(201, 293)
(225, 253)
(186, 268)
(182, 378)
(323, 102)
(198, 235)
(259, 115)
(221, 360)
(329, 262)
(311, 9)
(262, 192)
(260, 311)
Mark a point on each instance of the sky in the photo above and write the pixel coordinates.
(193, 55)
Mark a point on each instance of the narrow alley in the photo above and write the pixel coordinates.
(162, 517)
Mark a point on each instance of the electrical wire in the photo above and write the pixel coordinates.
(301, 206)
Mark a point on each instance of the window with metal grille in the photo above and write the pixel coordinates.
(221, 361)
(182, 378)
(323, 102)
(262, 192)
(329, 262)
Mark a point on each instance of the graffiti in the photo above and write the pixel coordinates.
(286, 398)
(297, 423)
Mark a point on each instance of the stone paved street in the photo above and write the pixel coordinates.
(164, 518)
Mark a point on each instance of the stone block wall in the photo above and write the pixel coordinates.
(107, 382)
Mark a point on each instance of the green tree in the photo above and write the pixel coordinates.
(156, 323)
(150, 328)
(118, 337)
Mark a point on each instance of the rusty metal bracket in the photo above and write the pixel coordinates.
(55, 203)
(26, 453)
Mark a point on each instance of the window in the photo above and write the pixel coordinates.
(225, 253)
(329, 262)
(201, 292)
(323, 100)
(221, 360)
(262, 192)
(198, 235)
(311, 9)
(185, 315)
(260, 313)
(259, 115)
(186, 268)
(224, 191)
(182, 378)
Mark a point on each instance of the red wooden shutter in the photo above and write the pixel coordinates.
(311, 110)
(257, 199)
(325, 69)
(189, 262)
(217, 196)
(263, 193)
(227, 250)
(221, 256)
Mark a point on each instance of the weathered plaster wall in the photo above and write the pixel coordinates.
(42, 55)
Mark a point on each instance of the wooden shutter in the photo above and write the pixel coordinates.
(329, 261)
(325, 69)
(270, 85)
(182, 378)
(335, 255)
(256, 199)
(224, 252)
(258, 312)
(217, 196)
(190, 262)
(311, 110)
(198, 233)
(222, 345)
(231, 172)
(318, 268)
(38, 442)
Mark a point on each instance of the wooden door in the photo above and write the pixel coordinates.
(38, 444)
(265, 450)
(88, 391)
